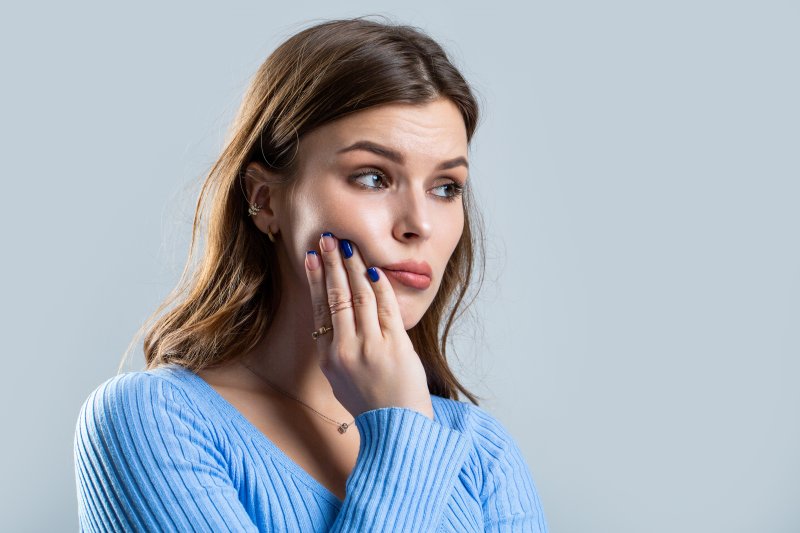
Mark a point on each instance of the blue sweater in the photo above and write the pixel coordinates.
(161, 450)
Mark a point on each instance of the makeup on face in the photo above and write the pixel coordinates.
(410, 279)
(416, 274)
(390, 180)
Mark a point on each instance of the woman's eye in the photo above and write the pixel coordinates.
(375, 179)
(370, 179)
(455, 190)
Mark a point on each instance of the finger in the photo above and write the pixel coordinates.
(337, 287)
(388, 310)
(319, 297)
(364, 300)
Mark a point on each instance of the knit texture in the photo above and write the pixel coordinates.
(161, 450)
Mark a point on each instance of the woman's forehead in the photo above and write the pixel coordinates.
(401, 133)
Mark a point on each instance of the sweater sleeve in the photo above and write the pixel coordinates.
(144, 461)
(509, 497)
(405, 472)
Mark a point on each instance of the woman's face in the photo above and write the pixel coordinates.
(387, 179)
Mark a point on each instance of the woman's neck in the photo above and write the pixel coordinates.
(287, 356)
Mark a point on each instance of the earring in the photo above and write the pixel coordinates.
(252, 210)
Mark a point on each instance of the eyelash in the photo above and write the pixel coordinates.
(457, 189)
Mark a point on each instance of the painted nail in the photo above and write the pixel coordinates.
(373, 274)
(347, 250)
(328, 243)
(312, 260)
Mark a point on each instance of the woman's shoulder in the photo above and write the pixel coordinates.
(494, 448)
(488, 433)
(163, 380)
(144, 397)
(498, 468)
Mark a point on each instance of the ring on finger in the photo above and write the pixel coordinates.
(321, 331)
(338, 306)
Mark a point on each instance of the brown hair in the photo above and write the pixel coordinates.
(226, 303)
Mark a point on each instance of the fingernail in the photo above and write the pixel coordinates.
(328, 244)
(373, 274)
(347, 250)
(312, 260)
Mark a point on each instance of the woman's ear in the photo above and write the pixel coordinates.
(262, 190)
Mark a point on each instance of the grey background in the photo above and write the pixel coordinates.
(638, 171)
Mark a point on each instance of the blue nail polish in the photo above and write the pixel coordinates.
(311, 252)
(347, 250)
(373, 274)
(327, 234)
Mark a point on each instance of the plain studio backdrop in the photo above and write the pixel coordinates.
(637, 166)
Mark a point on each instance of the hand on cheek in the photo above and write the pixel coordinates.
(368, 357)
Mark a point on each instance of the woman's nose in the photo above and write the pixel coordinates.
(412, 218)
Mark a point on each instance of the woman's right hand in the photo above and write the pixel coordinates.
(368, 358)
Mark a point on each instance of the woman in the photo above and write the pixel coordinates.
(338, 247)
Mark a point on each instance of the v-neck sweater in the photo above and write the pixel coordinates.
(162, 450)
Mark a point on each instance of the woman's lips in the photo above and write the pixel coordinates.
(410, 279)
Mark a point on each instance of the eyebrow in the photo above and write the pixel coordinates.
(396, 156)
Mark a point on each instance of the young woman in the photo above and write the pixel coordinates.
(299, 380)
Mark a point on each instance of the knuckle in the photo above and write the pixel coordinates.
(338, 295)
(363, 298)
(385, 312)
(316, 284)
(320, 310)
(373, 352)
(331, 258)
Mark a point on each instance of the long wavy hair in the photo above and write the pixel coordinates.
(225, 302)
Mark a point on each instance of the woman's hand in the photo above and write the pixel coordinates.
(368, 357)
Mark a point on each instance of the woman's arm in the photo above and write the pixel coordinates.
(509, 497)
(144, 461)
(408, 465)
(405, 473)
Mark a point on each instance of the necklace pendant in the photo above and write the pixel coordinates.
(343, 427)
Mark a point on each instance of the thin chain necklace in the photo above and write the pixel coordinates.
(342, 425)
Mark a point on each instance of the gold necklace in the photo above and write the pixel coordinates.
(342, 425)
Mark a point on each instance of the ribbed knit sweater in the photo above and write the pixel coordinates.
(161, 450)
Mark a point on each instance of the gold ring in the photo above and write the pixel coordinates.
(321, 331)
(335, 308)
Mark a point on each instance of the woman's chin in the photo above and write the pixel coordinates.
(410, 314)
